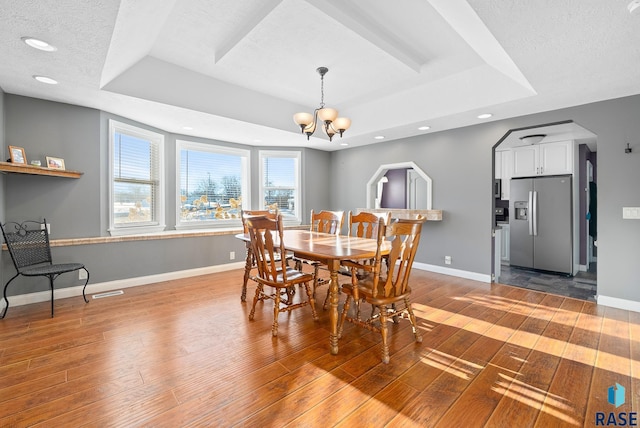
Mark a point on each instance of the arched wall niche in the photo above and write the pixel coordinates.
(372, 184)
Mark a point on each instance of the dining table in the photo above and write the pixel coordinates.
(330, 250)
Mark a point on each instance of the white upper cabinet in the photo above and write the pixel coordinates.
(507, 173)
(526, 161)
(543, 159)
(556, 158)
(504, 166)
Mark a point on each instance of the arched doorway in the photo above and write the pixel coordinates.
(560, 150)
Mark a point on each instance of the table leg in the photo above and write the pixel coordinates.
(333, 265)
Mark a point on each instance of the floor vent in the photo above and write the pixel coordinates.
(108, 294)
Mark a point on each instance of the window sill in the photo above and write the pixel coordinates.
(169, 234)
(136, 230)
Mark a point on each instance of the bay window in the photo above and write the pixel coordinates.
(212, 183)
(280, 183)
(135, 180)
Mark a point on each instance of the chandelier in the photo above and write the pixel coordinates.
(330, 122)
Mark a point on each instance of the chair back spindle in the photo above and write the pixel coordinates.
(327, 221)
(404, 235)
(365, 224)
(267, 243)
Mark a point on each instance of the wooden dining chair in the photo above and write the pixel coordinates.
(323, 222)
(250, 262)
(365, 224)
(267, 242)
(388, 291)
(362, 225)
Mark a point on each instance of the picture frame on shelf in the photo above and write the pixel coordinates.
(55, 163)
(17, 155)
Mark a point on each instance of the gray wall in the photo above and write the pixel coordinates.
(45, 128)
(78, 208)
(461, 169)
(5, 155)
(4, 151)
(460, 163)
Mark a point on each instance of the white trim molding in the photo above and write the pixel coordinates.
(62, 293)
(616, 302)
(453, 272)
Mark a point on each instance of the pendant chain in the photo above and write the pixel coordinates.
(322, 91)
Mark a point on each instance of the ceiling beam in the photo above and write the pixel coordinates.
(136, 30)
(243, 30)
(464, 21)
(360, 22)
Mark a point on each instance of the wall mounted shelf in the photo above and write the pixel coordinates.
(8, 167)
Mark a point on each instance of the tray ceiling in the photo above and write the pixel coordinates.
(238, 70)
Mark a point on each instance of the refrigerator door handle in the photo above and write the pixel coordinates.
(530, 213)
(535, 213)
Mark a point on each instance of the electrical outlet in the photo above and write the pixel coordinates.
(82, 274)
(631, 212)
(447, 260)
(48, 228)
(232, 255)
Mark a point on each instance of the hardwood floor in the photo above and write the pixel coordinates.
(183, 353)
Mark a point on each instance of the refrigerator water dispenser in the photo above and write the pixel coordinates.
(522, 209)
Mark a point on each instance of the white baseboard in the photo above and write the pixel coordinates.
(62, 293)
(453, 272)
(615, 302)
(101, 287)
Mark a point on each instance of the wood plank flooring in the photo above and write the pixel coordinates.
(183, 353)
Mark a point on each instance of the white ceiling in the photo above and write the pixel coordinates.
(237, 70)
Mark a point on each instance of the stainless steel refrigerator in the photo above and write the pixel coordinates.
(541, 223)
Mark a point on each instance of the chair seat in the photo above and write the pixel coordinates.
(365, 292)
(295, 277)
(50, 269)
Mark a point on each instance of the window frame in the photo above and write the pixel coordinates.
(157, 140)
(244, 154)
(294, 154)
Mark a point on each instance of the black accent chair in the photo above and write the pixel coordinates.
(28, 244)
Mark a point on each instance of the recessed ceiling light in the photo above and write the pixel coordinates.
(424, 128)
(257, 140)
(484, 116)
(379, 137)
(344, 144)
(45, 79)
(39, 44)
(187, 128)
